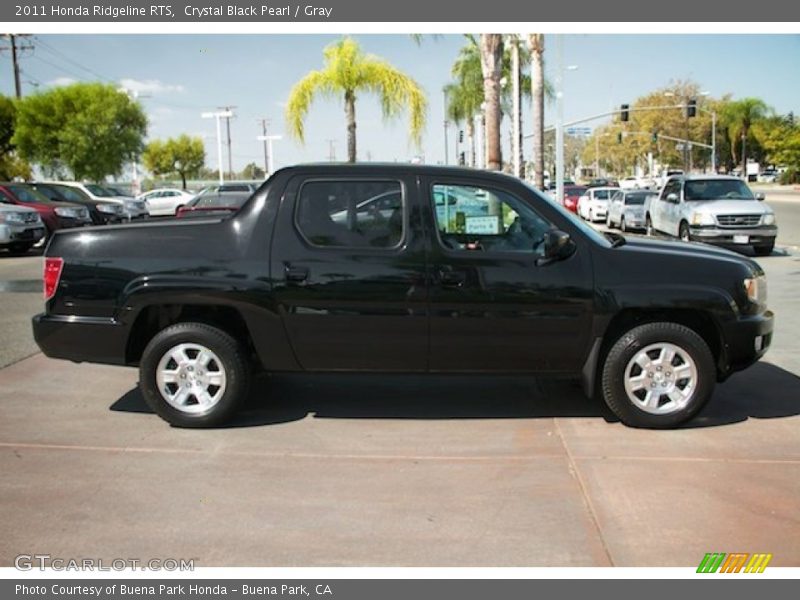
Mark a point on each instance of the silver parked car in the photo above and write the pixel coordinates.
(716, 209)
(626, 209)
(20, 227)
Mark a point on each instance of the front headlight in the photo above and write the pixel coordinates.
(701, 218)
(109, 209)
(69, 213)
(11, 217)
(769, 219)
(756, 289)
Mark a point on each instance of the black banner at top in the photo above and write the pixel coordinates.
(441, 11)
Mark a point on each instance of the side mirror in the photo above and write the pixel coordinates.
(557, 245)
(760, 196)
(672, 198)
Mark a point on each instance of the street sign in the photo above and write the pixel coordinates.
(582, 131)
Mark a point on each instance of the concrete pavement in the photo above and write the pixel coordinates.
(416, 471)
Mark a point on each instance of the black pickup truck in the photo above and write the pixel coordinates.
(401, 268)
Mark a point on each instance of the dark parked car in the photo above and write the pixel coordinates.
(517, 286)
(603, 182)
(101, 212)
(55, 215)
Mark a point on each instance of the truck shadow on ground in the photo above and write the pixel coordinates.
(762, 392)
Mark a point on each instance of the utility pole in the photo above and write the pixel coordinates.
(269, 139)
(229, 111)
(264, 122)
(218, 116)
(331, 150)
(15, 49)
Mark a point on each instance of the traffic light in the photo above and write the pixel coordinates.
(461, 136)
(619, 137)
(691, 108)
(462, 159)
(624, 114)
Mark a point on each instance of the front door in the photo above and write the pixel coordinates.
(348, 263)
(495, 306)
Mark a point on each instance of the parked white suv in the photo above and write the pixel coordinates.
(716, 209)
(20, 227)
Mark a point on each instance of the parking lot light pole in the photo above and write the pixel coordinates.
(224, 114)
(269, 139)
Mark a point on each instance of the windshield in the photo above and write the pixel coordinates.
(99, 191)
(717, 189)
(26, 194)
(636, 199)
(573, 219)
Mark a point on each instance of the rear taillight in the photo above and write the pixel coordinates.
(52, 274)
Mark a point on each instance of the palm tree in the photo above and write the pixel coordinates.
(462, 106)
(468, 74)
(491, 46)
(347, 72)
(536, 48)
(740, 116)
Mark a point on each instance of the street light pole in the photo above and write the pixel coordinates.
(269, 139)
(446, 125)
(560, 118)
(226, 114)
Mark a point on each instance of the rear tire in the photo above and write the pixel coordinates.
(648, 226)
(622, 226)
(658, 375)
(194, 375)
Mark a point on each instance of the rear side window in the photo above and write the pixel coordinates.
(351, 213)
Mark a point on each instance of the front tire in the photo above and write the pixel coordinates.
(765, 250)
(194, 375)
(658, 375)
(683, 232)
(648, 226)
(622, 226)
(19, 249)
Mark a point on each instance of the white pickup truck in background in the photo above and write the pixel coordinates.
(715, 209)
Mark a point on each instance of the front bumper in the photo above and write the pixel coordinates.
(81, 339)
(747, 339)
(756, 236)
(22, 233)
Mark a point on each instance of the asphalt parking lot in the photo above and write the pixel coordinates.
(394, 471)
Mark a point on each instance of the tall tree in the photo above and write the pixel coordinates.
(491, 46)
(740, 115)
(347, 72)
(183, 155)
(90, 129)
(536, 49)
(11, 165)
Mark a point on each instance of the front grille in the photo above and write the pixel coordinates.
(738, 220)
(30, 217)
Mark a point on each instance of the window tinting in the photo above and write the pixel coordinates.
(351, 213)
(477, 219)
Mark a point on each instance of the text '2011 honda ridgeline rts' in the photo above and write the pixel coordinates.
(401, 268)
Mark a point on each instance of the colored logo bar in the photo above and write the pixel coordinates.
(735, 562)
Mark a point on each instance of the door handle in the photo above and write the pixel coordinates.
(452, 278)
(296, 274)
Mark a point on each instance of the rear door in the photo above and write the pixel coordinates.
(494, 306)
(348, 263)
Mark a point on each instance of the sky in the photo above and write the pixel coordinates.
(179, 76)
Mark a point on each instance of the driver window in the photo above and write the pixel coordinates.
(477, 219)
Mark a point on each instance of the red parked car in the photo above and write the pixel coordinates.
(571, 195)
(55, 215)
